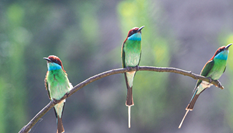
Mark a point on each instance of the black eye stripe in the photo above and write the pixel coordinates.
(132, 32)
(56, 61)
(220, 50)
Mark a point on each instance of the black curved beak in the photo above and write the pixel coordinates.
(47, 59)
(228, 46)
(140, 28)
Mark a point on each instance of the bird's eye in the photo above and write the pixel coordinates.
(131, 32)
(220, 50)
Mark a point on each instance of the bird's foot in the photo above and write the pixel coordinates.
(210, 79)
(66, 95)
(129, 68)
(55, 101)
(137, 68)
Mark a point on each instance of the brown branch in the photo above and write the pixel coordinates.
(37, 117)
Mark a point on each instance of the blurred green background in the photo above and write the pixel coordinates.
(87, 36)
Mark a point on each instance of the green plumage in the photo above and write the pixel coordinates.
(57, 84)
(131, 53)
(213, 69)
(131, 56)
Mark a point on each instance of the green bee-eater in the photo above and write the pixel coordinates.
(131, 55)
(57, 85)
(213, 69)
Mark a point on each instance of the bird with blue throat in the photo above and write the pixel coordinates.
(131, 55)
(213, 69)
(57, 84)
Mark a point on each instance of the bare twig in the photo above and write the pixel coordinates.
(37, 117)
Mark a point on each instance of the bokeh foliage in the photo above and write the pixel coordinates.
(87, 36)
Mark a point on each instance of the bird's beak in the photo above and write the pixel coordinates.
(140, 28)
(47, 59)
(228, 46)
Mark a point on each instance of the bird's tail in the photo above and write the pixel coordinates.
(183, 118)
(60, 128)
(59, 108)
(129, 99)
(190, 106)
(129, 76)
(129, 102)
(192, 102)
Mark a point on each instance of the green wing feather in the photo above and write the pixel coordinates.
(205, 71)
(140, 58)
(46, 84)
(224, 70)
(123, 55)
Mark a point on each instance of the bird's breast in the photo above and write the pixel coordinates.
(132, 51)
(58, 84)
(218, 69)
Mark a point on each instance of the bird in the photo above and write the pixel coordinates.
(213, 70)
(57, 84)
(131, 55)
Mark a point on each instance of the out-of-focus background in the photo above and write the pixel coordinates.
(87, 36)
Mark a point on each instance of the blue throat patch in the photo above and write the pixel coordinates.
(53, 66)
(135, 37)
(222, 55)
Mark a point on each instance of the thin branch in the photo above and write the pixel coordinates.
(37, 117)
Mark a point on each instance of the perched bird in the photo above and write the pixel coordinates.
(213, 69)
(57, 85)
(131, 55)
